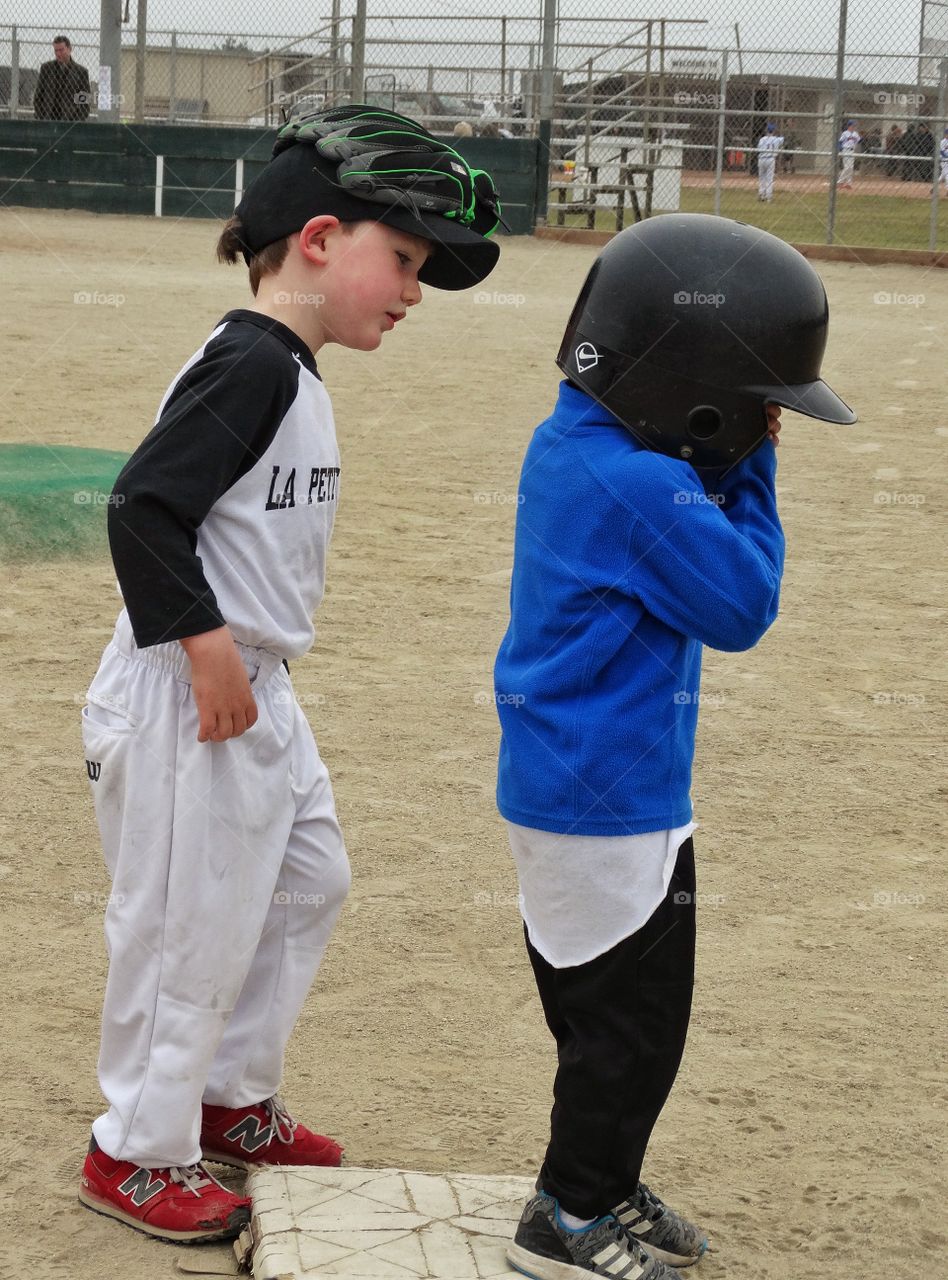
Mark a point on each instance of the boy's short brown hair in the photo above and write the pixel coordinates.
(230, 248)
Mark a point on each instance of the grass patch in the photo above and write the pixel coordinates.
(891, 222)
(53, 501)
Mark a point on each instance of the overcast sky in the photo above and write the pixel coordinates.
(875, 26)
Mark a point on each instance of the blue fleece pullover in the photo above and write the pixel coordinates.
(624, 566)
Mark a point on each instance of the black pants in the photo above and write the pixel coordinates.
(620, 1023)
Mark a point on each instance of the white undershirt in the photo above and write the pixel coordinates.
(581, 895)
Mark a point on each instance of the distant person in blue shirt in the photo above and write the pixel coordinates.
(647, 527)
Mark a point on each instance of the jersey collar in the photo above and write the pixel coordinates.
(279, 330)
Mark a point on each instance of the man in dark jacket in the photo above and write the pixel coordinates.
(62, 89)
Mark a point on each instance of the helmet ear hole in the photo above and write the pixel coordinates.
(704, 422)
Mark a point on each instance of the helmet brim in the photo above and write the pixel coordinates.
(814, 399)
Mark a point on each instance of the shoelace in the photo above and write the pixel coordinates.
(649, 1202)
(629, 1242)
(281, 1122)
(193, 1177)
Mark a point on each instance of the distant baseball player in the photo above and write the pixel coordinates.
(768, 145)
(647, 527)
(849, 140)
(215, 810)
(943, 161)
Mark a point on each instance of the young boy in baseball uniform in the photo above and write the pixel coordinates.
(768, 145)
(943, 161)
(849, 140)
(216, 812)
(646, 527)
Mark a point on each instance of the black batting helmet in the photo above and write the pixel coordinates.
(688, 324)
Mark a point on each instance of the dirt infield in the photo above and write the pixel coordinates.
(804, 1130)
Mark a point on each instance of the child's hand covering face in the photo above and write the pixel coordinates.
(773, 423)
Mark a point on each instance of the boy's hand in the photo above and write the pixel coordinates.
(773, 423)
(220, 685)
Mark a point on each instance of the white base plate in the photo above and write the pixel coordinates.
(368, 1224)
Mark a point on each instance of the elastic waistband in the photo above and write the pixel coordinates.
(171, 657)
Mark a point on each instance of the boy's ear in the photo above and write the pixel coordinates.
(314, 235)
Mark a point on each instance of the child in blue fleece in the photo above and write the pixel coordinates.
(627, 560)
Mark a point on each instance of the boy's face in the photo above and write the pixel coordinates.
(370, 281)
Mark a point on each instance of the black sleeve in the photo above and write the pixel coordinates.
(84, 96)
(41, 103)
(219, 419)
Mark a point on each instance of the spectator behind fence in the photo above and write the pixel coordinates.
(893, 149)
(923, 167)
(786, 158)
(872, 143)
(62, 89)
(917, 146)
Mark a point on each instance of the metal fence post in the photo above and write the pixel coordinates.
(589, 111)
(141, 39)
(110, 59)
(334, 42)
(936, 155)
(719, 149)
(357, 82)
(173, 76)
(14, 73)
(545, 131)
(837, 117)
(503, 63)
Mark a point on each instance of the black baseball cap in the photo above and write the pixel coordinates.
(299, 184)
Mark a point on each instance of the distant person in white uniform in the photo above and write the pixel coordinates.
(943, 160)
(849, 140)
(768, 145)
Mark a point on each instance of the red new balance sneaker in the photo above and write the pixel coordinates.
(262, 1134)
(183, 1204)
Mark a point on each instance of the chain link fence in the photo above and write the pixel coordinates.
(824, 122)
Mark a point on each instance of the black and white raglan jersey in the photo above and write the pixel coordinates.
(224, 512)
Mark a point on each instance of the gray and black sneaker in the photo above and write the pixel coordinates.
(665, 1233)
(545, 1249)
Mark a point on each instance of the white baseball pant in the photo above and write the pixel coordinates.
(846, 174)
(765, 177)
(228, 872)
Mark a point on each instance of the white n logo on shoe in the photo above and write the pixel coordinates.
(140, 1186)
(250, 1133)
